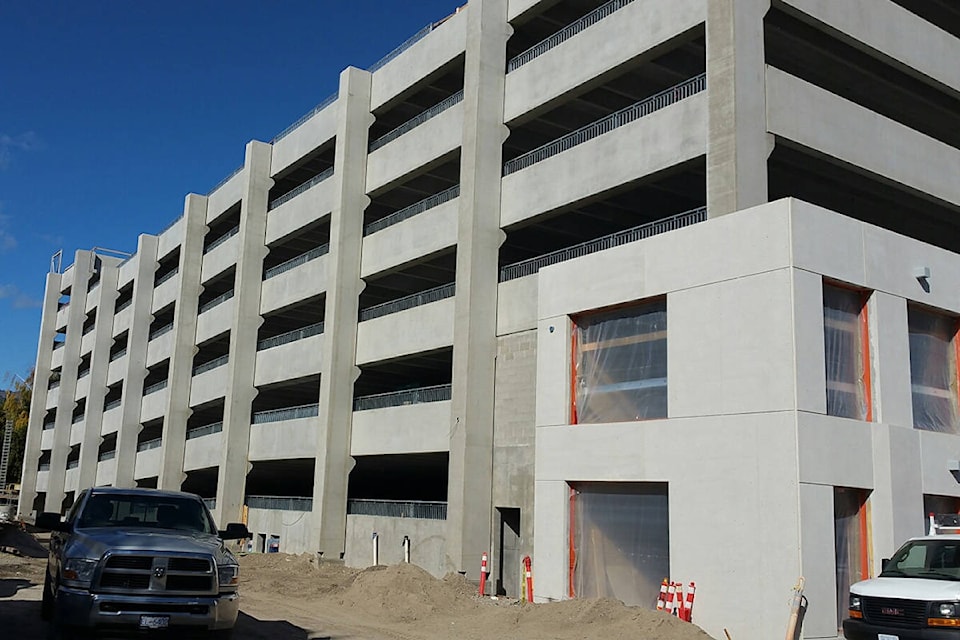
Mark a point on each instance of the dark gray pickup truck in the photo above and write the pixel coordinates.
(139, 560)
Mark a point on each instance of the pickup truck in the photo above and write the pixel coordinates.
(139, 560)
(917, 594)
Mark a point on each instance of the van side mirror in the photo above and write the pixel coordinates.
(234, 531)
(49, 521)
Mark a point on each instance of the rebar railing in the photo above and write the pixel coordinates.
(123, 305)
(225, 180)
(280, 503)
(566, 33)
(287, 413)
(414, 209)
(436, 393)
(87, 329)
(409, 302)
(167, 328)
(219, 241)
(113, 404)
(309, 114)
(150, 444)
(83, 373)
(211, 364)
(49, 425)
(533, 265)
(296, 261)
(406, 44)
(77, 418)
(290, 336)
(416, 121)
(107, 455)
(609, 123)
(116, 355)
(169, 274)
(293, 193)
(205, 430)
(53, 385)
(398, 509)
(73, 464)
(210, 304)
(170, 224)
(58, 345)
(157, 386)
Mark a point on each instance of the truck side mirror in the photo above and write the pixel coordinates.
(884, 563)
(234, 531)
(49, 521)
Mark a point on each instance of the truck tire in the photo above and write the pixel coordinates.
(48, 604)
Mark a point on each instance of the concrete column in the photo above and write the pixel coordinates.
(76, 314)
(890, 359)
(137, 338)
(38, 399)
(738, 143)
(184, 344)
(99, 364)
(333, 462)
(232, 474)
(470, 483)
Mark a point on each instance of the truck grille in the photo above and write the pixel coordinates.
(153, 574)
(902, 614)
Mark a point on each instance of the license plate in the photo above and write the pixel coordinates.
(887, 636)
(154, 622)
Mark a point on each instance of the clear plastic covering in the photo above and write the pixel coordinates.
(621, 365)
(933, 371)
(849, 523)
(621, 541)
(843, 353)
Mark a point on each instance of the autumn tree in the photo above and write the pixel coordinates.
(16, 407)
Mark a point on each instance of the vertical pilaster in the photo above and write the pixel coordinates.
(470, 483)
(38, 399)
(99, 364)
(232, 474)
(76, 314)
(333, 462)
(184, 347)
(738, 142)
(137, 338)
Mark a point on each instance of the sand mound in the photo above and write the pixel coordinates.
(21, 542)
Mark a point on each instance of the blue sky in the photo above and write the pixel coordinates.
(111, 111)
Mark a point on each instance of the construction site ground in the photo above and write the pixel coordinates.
(286, 597)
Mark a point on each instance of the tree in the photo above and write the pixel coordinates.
(16, 405)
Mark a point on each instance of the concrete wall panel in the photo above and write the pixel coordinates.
(426, 541)
(423, 328)
(415, 428)
(319, 128)
(171, 237)
(106, 472)
(294, 285)
(207, 386)
(111, 421)
(148, 464)
(517, 305)
(834, 451)
(313, 204)
(159, 348)
(215, 321)
(289, 361)
(421, 235)
(293, 527)
(282, 440)
(166, 293)
(202, 452)
(153, 405)
(220, 259)
(225, 196)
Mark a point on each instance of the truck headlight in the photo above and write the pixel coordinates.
(947, 609)
(78, 572)
(228, 575)
(856, 607)
(944, 614)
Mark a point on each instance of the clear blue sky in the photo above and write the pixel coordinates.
(111, 111)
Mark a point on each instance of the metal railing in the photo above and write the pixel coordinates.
(398, 509)
(309, 114)
(211, 503)
(113, 404)
(171, 223)
(609, 123)
(49, 425)
(409, 302)
(87, 329)
(566, 33)
(73, 464)
(83, 373)
(225, 180)
(414, 209)
(93, 285)
(296, 261)
(167, 328)
(406, 44)
(219, 241)
(77, 418)
(282, 503)
(169, 274)
(150, 444)
(107, 455)
(53, 385)
(118, 354)
(416, 121)
(533, 265)
(157, 386)
(436, 393)
(205, 430)
(123, 305)
(210, 304)
(287, 413)
(293, 193)
(43, 466)
(290, 336)
(59, 344)
(211, 364)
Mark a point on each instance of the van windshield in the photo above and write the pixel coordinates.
(932, 559)
(156, 512)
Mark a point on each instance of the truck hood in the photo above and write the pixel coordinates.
(93, 543)
(909, 589)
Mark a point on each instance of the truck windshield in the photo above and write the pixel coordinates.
(157, 512)
(932, 559)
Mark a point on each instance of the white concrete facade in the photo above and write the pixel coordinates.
(368, 328)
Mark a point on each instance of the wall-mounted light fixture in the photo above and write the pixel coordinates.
(922, 274)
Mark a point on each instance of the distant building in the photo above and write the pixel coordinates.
(641, 289)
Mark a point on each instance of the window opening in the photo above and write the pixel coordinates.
(852, 542)
(846, 353)
(933, 370)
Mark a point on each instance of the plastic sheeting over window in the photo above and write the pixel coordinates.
(845, 354)
(621, 365)
(933, 371)
(851, 541)
(620, 541)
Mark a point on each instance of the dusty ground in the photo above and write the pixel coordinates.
(292, 597)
